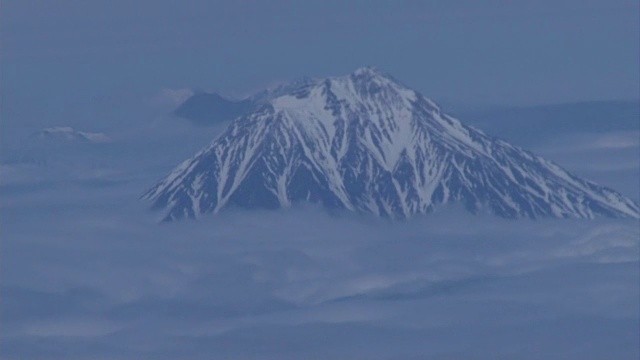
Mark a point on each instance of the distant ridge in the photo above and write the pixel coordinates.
(210, 108)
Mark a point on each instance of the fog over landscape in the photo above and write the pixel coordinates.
(88, 124)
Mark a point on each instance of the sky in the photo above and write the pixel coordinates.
(68, 54)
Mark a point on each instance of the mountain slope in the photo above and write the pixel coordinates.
(366, 143)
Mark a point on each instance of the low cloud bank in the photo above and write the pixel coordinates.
(99, 279)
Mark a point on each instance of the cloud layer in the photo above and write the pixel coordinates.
(101, 280)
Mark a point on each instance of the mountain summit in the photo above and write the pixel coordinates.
(364, 142)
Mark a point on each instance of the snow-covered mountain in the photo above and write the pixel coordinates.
(366, 143)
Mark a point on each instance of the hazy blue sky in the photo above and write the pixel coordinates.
(58, 54)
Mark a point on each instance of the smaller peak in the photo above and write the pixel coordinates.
(58, 129)
(69, 134)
